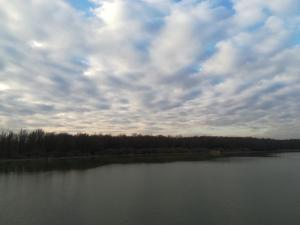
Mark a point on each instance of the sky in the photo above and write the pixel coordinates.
(171, 67)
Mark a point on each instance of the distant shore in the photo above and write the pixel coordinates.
(23, 148)
(86, 162)
(40, 144)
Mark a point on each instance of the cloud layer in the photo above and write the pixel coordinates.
(149, 66)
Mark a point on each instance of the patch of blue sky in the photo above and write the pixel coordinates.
(177, 0)
(80, 61)
(141, 45)
(267, 13)
(82, 5)
(209, 50)
(295, 40)
(194, 70)
(225, 3)
(256, 26)
(198, 69)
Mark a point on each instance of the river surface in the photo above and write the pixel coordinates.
(229, 191)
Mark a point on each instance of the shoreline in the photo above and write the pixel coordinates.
(212, 153)
(87, 162)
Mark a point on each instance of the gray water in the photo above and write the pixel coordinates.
(232, 191)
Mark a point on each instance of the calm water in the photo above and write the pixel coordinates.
(235, 191)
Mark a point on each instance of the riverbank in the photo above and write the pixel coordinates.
(86, 162)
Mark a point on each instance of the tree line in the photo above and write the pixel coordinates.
(38, 143)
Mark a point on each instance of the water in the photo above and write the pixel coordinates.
(241, 191)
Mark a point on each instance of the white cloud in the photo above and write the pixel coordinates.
(171, 67)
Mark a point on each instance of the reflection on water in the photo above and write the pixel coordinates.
(240, 190)
(42, 165)
(45, 165)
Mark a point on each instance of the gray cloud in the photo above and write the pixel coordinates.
(160, 67)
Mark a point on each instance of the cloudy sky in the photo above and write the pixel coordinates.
(190, 67)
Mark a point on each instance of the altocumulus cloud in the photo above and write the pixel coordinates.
(149, 66)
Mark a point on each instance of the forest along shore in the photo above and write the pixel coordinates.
(38, 144)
